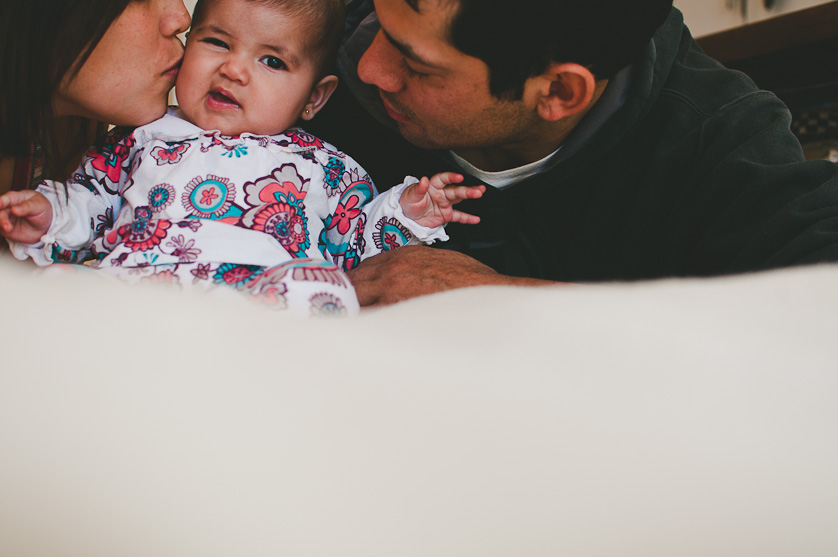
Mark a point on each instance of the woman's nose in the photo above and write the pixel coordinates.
(379, 65)
(175, 20)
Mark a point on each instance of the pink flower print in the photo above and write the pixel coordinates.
(160, 197)
(279, 191)
(208, 196)
(112, 157)
(359, 232)
(283, 184)
(270, 292)
(306, 140)
(286, 223)
(236, 275)
(170, 154)
(391, 241)
(143, 235)
(344, 213)
(213, 142)
(391, 234)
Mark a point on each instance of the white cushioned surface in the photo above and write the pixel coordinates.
(670, 418)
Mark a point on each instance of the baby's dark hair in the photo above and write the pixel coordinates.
(324, 20)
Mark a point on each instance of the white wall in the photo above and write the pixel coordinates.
(709, 16)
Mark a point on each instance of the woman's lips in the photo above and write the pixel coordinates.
(174, 69)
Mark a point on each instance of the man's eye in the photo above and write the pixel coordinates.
(215, 42)
(273, 62)
(412, 71)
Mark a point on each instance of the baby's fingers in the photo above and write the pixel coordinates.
(422, 186)
(11, 198)
(5, 223)
(415, 193)
(442, 179)
(26, 208)
(22, 203)
(464, 218)
(458, 193)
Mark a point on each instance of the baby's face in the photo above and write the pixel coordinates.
(245, 70)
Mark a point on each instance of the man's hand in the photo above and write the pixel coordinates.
(25, 216)
(413, 271)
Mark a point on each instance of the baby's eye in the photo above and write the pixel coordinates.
(273, 62)
(215, 42)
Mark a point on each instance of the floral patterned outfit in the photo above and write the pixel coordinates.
(279, 217)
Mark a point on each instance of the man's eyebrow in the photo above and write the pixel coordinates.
(406, 50)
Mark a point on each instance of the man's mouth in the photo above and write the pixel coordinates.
(391, 111)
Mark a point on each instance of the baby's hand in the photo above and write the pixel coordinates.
(25, 216)
(430, 202)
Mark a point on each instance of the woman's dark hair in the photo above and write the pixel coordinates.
(519, 39)
(41, 42)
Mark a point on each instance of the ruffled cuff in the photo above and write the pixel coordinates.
(37, 252)
(69, 229)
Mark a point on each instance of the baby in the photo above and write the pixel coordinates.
(223, 190)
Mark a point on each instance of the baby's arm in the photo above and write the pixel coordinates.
(80, 209)
(25, 216)
(361, 224)
(430, 201)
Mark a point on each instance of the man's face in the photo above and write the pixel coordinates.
(438, 96)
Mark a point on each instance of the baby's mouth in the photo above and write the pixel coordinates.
(222, 98)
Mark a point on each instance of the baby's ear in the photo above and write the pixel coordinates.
(319, 95)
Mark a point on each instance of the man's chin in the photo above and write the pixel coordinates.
(417, 138)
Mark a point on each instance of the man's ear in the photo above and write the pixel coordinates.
(319, 95)
(563, 90)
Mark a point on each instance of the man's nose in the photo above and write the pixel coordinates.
(379, 65)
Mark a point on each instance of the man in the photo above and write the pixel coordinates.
(615, 148)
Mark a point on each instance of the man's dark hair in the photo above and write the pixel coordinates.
(519, 39)
(324, 20)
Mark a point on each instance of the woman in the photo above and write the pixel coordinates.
(68, 65)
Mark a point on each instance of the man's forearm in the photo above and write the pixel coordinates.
(417, 270)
